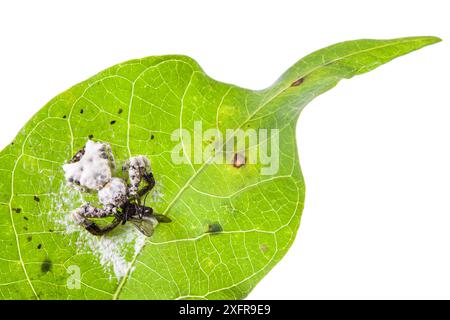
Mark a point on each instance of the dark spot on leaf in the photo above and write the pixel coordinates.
(112, 122)
(152, 137)
(50, 230)
(29, 238)
(214, 227)
(17, 210)
(81, 111)
(46, 266)
(25, 218)
(39, 246)
(120, 111)
(12, 143)
(25, 228)
(64, 116)
(298, 82)
(36, 198)
(238, 160)
(90, 136)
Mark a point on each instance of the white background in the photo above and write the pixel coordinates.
(375, 150)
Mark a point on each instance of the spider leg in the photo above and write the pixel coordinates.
(138, 168)
(96, 230)
(150, 181)
(82, 214)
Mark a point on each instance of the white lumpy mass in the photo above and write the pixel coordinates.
(139, 162)
(94, 169)
(136, 166)
(114, 193)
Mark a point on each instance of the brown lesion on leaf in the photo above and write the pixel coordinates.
(239, 160)
(263, 248)
(297, 82)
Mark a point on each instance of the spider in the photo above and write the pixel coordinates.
(91, 169)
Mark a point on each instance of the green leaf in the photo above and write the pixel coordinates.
(230, 224)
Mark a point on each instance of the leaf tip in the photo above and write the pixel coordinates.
(432, 39)
(426, 40)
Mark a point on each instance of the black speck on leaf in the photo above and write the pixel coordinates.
(90, 136)
(39, 246)
(112, 122)
(36, 198)
(120, 111)
(64, 116)
(152, 137)
(17, 210)
(25, 218)
(46, 266)
(29, 238)
(214, 227)
(81, 111)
